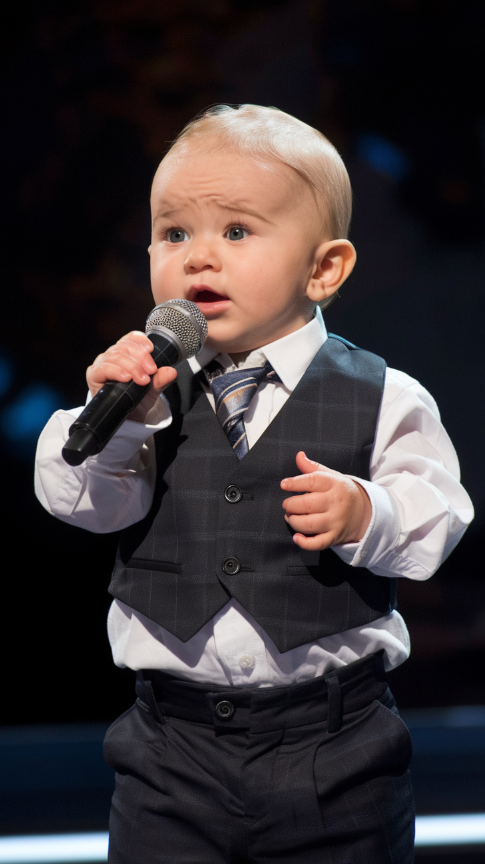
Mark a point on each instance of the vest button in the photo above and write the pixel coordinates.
(231, 566)
(233, 494)
(224, 710)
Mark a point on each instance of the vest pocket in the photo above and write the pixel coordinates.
(148, 564)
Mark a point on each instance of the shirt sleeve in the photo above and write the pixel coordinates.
(419, 507)
(109, 491)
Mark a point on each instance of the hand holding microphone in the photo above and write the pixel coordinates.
(130, 359)
(177, 330)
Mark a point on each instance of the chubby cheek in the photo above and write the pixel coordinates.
(162, 279)
(255, 283)
(281, 270)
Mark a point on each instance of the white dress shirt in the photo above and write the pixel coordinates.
(419, 512)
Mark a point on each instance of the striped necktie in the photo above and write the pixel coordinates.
(233, 392)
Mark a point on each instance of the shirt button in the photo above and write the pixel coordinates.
(233, 494)
(231, 566)
(246, 661)
(224, 710)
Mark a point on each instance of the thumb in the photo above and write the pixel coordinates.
(306, 465)
(163, 377)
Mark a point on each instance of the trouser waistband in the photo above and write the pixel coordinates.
(326, 698)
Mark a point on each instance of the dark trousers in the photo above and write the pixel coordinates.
(315, 772)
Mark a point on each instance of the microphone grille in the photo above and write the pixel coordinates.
(184, 319)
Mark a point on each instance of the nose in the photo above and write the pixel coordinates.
(202, 256)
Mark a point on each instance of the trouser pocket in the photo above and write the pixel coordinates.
(135, 742)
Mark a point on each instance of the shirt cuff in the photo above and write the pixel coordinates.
(383, 531)
(131, 436)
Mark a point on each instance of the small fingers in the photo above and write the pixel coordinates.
(317, 481)
(306, 465)
(315, 543)
(139, 338)
(315, 523)
(311, 502)
(104, 371)
(163, 377)
(136, 345)
(128, 360)
(121, 366)
(127, 349)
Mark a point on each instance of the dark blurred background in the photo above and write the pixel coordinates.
(92, 93)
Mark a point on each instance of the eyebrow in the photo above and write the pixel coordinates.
(166, 214)
(236, 208)
(241, 208)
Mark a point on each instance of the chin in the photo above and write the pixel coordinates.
(224, 342)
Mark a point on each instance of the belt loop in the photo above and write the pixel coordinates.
(150, 697)
(334, 698)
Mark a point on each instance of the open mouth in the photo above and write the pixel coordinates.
(208, 296)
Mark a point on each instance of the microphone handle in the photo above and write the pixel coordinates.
(106, 411)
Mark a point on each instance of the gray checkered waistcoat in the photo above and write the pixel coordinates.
(203, 543)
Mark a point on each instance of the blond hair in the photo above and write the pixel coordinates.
(267, 132)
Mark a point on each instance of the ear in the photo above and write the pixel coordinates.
(334, 262)
(150, 249)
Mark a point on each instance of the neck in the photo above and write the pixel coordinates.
(240, 358)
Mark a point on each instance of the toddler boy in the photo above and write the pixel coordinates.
(255, 597)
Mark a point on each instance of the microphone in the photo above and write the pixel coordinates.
(178, 330)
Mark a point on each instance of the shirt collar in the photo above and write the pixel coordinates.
(289, 356)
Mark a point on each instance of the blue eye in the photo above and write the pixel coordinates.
(237, 232)
(177, 235)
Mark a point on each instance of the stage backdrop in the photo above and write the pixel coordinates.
(92, 93)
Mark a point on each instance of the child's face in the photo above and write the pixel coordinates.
(237, 237)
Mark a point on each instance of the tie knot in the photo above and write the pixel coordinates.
(243, 382)
(233, 392)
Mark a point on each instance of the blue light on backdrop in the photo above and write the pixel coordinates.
(383, 156)
(24, 418)
(461, 829)
(54, 848)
